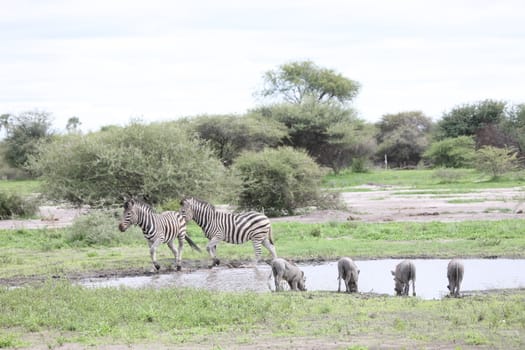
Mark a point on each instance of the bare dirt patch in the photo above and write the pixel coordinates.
(409, 205)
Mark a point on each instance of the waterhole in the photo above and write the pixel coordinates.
(375, 277)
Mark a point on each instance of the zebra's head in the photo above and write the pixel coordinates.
(129, 217)
(186, 209)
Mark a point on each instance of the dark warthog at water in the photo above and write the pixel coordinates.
(284, 270)
(349, 273)
(404, 273)
(455, 270)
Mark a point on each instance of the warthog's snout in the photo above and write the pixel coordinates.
(122, 227)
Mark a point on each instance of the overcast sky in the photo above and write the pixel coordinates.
(110, 61)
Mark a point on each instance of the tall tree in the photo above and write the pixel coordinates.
(514, 127)
(24, 132)
(230, 135)
(468, 119)
(73, 125)
(327, 131)
(403, 137)
(294, 82)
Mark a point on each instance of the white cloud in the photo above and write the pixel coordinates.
(107, 61)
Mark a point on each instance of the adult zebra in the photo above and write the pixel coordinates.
(232, 228)
(157, 228)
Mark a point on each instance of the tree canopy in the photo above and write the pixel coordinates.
(229, 135)
(467, 119)
(294, 82)
(327, 131)
(403, 137)
(24, 132)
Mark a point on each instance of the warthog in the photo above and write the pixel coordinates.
(284, 270)
(349, 273)
(455, 271)
(405, 271)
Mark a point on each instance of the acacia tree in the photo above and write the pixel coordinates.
(229, 135)
(328, 131)
(349, 143)
(403, 137)
(294, 82)
(514, 126)
(469, 118)
(24, 132)
(73, 125)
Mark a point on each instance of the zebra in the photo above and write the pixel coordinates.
(157, 229)
(231, 228)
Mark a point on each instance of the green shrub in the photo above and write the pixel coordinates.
(359, 165)
(100, 229)
(496, 161)
(277, 181)
(12, 205)
(161, 161)
(454, 152)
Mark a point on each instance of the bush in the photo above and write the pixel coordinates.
(456, 152)
(277, 181)
(359, 165)
(13, 205)
(100, 229)
(159, 161)
(495, 161)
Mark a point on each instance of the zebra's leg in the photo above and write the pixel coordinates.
(270, 247)
(257, 249)
(177, 254)
(211, 247)
(153, 253)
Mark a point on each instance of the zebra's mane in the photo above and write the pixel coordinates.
(202, 202)
(144, 205)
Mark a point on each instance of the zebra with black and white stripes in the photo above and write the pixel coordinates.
(157, 229)
(232, 228)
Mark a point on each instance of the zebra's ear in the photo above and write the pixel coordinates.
(129, 203)
(125, 196)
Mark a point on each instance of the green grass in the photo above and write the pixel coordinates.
(64, 313)
(21, 187)
(57, 312)
(49, 252)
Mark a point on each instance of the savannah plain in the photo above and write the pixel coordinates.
(388, 214)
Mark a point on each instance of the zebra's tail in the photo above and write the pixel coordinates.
(270, 235)
(192, 244)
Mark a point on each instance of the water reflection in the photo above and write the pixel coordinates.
(375, 277)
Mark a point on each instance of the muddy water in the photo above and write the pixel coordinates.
(375, 277)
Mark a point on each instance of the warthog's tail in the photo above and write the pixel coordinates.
(192, 244)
